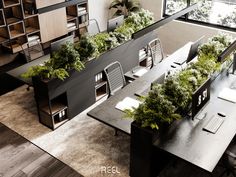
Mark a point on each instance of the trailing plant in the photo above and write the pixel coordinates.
(125, 7)
(62, 61)
(86, 48)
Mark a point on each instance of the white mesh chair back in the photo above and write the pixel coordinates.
(32, 50)
(156, 51)
(115, 77)
(93, 27)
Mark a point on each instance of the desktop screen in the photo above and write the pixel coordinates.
(115, 22)
(194, 49)
(57, 44)
(159, 80)
(229, 50)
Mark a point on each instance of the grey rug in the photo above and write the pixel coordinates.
(83, 143)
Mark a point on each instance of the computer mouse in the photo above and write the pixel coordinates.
(221, 114)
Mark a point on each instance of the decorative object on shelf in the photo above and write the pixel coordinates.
(125, 7)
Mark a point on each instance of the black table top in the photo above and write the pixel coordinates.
(22, 69)
(106, 111)
(185, 138)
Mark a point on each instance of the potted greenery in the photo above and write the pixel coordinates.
(169, 101)
(58, 66)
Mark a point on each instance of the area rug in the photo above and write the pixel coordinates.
(83, 143)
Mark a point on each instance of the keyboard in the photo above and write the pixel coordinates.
(143, 92)
(140, 72)
(213, 124)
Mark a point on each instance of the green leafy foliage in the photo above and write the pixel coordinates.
(139, 20)
(100, 41)
(169, 101)
(124, 7)
(86, 48)
(155, 111)
(67, 58)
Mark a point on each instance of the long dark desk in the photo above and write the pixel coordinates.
(185, 138)
(108, 114)
(16, 73)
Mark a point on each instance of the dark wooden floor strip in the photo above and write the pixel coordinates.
(20, 158)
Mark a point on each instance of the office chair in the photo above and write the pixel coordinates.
(229, 160)
(93, 27)
(155, 51)
(115, 79)
(32, 50)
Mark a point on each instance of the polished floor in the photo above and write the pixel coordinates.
(21, 158)
(83, 143)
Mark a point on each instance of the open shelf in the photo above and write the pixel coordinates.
(15, 45)
(83, 20)
(13, 14)
(101, 89)
(53, 113)
(10, 3)
(31, 25)
(29, 8)
(2, 18)
(16, 30)
(4, 32)
(72, 25)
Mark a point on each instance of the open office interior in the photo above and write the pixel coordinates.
(116, 88)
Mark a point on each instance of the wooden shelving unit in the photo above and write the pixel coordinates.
(13, 14)
(20, 18)
(10, 3)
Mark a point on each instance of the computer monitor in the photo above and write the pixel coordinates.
(159, 80)
(55, 46)
(192, 53)
(229, 50)
(115, 22)
(194, 49)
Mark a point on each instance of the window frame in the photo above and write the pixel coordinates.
(186, 19)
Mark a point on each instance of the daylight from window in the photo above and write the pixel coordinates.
(220, 12)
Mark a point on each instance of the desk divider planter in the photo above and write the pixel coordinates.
(79, 87)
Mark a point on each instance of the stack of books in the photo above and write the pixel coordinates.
(71, 26)
(81, 10)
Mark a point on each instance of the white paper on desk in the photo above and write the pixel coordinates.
(140, 72)
(127, 103)
(228, 94)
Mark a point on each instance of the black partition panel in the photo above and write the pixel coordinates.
(80, 86)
